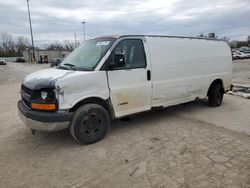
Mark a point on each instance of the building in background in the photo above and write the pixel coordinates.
(45, 56)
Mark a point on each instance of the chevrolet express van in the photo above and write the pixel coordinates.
(116, 76)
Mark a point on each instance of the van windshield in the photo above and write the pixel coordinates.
(87, 56)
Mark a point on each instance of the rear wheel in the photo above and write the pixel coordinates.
(215, 95)
(89, 124)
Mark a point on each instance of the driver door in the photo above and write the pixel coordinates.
(130, 85)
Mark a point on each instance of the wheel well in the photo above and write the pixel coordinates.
(104, 103)
(217, 81)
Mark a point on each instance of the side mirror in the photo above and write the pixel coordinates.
(119, 61)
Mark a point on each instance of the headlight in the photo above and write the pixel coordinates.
(44, 94)
(44, 99)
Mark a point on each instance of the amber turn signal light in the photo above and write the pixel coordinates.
(38, 106)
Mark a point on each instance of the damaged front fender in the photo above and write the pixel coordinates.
(76, 87)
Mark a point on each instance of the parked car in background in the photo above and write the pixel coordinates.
(244, 49)
(2, 62)
(19, 60)
(240, 55)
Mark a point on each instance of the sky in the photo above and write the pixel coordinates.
(54, 20)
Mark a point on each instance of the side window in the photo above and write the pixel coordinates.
(133, 51)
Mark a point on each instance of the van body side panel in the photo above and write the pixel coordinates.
(81, 85)
(183, 68)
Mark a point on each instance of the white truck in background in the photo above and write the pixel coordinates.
(116, 76)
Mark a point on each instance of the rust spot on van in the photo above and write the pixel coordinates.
(130, 99)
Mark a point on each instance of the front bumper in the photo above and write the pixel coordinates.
(43, 121)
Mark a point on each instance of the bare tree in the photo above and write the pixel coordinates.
(7, 43)
(21, 44)
(69, 45)
(55, 46)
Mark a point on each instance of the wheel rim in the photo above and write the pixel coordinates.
(91, 124)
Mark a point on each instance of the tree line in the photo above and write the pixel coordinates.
(10, 47)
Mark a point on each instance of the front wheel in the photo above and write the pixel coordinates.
(89, 124)
(215, 95)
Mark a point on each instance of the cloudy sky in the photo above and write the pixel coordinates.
(58, 19)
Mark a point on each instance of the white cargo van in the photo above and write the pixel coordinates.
(112, 77)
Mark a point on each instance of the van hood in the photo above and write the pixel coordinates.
(45, 78)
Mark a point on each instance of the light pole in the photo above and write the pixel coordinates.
(31, 33)
(83, 24)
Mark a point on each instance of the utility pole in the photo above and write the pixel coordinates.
(31, 33)
(83, 23)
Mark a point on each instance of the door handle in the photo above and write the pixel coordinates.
(148, 75)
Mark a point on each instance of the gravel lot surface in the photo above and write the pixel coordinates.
(189, 145)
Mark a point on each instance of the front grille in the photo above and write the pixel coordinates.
(26, 95)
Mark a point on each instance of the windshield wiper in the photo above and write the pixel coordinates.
(64, 67)
(70, 65)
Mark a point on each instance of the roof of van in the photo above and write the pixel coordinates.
(167, 36)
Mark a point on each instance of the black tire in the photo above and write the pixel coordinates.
(89, 124)
(215, 95)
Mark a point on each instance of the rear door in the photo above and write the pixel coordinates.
(130, 86)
